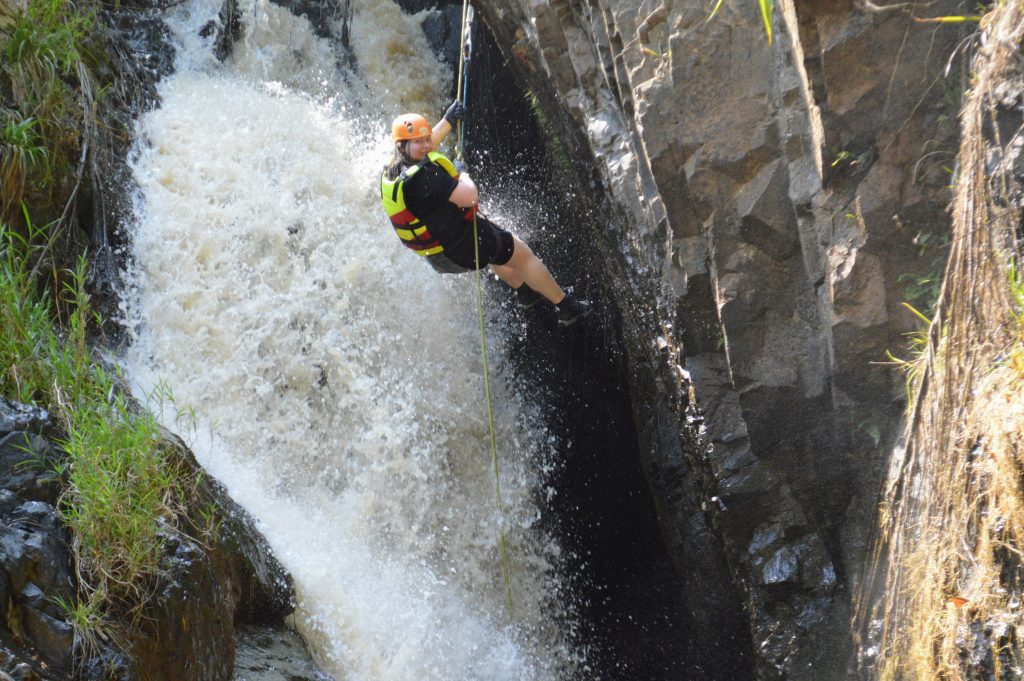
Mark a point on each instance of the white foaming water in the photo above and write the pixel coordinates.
(336, 380)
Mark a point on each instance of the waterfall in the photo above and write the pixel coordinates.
(330, 379)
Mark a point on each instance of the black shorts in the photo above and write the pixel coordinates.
(496, 246)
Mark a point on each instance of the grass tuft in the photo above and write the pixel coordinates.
(92, 628)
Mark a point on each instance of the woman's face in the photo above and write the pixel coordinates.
(419, 148)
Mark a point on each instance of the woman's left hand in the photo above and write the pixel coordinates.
(456, 111)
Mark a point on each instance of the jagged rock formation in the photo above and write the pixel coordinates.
(781, 201)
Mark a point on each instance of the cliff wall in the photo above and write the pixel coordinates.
(779, 202)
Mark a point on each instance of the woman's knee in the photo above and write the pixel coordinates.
(510, 275)
(521, 253)
(521, 245)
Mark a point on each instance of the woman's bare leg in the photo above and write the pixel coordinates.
(525, 267)
(509, 275)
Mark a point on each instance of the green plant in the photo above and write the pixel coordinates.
(658, 54)
(161, 398)
(1017, 290)
(949, 19)
(89, 624)
(1016, 353)
(50, 39)
(21, 150)
(922, 290)
(25, 315)
(848, 160)
(47, 51)
(917, 346)
(210, 520)
(124, 490)
(872, 431)
(766, 7)
(839, 158)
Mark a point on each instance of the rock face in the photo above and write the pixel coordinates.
(35, 559)
(780, 202)
(207, 588)
(204, 589)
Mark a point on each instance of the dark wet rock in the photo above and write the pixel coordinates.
(273, 654)
(144, 47)
(108, 665)
(203, 590)
(206, 589)
(52, 636)
(330, 19)
(261, 590)
(443, 29)
(140, 52)
(415, 6)
(27, 465)
(718, 625)
(781, 568)
(35, 573)
(442, 26)
(325, 16)
(186, 631)
(22, 417)
(24, 672)
(228, 29)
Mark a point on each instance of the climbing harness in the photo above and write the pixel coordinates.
(463, 85)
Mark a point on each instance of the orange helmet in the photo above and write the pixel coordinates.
(409, 127)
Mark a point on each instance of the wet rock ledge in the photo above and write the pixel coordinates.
(205, 592)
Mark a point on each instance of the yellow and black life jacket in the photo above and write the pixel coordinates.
(410, 229)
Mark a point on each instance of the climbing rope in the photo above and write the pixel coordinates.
(463, 86)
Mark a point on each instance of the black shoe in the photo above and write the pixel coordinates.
(572, 309)
(527, 297)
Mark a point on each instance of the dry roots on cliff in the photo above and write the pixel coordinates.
(942, 598)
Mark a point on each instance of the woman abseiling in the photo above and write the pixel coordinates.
(432, 201)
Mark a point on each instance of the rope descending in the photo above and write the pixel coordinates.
(463, 86)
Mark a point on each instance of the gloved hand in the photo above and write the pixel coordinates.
(459, 165)
(456, 111)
